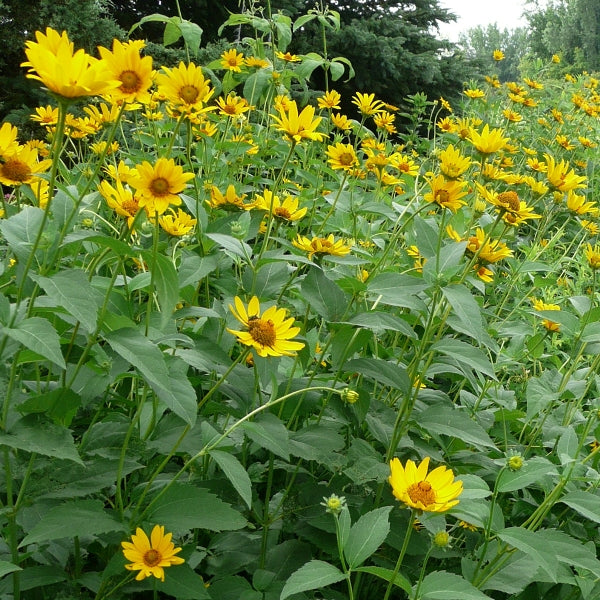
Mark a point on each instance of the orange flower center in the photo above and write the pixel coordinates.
(152, 558)
(510, 199)
(130, 82)
(232, 61)
(230, 109)
(160, 186)
(283, 213)
(189, 94)
(262, 331)
(322, 245)
(346, 158)
(130, 206)
(421, 492)
(15, 170)
(442, 196)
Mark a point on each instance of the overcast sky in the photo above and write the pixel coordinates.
(471, 13)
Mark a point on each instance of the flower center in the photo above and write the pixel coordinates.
(262, 331)
(510, 199)
(346, 158)
(152, 558)
(323, 245)
(230, 109)
(130, 206)
(283, 213)
(160, 186)
(442, 196)
(232, 62)
(189, 94)
(421, 492)
(15, 170)
(130, 82)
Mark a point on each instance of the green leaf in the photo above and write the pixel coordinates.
(396, 289)
(380, 322)
(35, 577)
(71, 290)
(534, 546)
(21, 230)
(446, 263)
(466, 308)
(586, 504)
(532, 471)
(172, 31)
(78, 518)
(60, 405)
(231, 244)
(153, 18)
(325, 296)
(468, 355)
(236, 474)
(177, 392)
(441, 585)
(166, 283)
(256, 84)
(542, 391)
(192, 34)
(571, 551)
(303, 20)
(454, 422)
(88, 235)
(313, 575)
(270, 433)
(387, 574)
(183, 583)
(39, 336)
(382, 371)
(184, 507)
(366, 535)
(34, 435)
(7, 567)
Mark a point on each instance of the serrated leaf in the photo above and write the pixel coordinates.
(586, 504)
(441, 585)
(532, 471)
(236, 474)
(366, 535)
(455, 422)
(325, 296)
(39, 336)
(184, 507)
(270, 433)
(21, 230)
(183, 583)
(313, 575)
(466, 309)
(396, 289)
(77, 518)
(464, 353)
(72, 291)
(534, 546)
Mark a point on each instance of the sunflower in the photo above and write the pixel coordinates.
(385, 120)
(122, 172)
(120, 199)
(298, 127)
(592, 254)
(177, 224)
(446, 193)
(341, 121)
(489, 140)
(452, 163)
(159, 184)
(541, 305)
(270, 334)
(404, 164)
(434, 492)
(498, 55)
(185, 87)
(514, 211)
(150, 556)
(232, 60)
(233, 105)
(474, 93)
(367, 104)
(256, 62)
(329, 100)
(229, 200)
(22, 166)
(287, 57)
(45, 115)
(8, 139)
(52, 60)
(102, 114)
(322, 246)
(342, 156)
(561, 177)
(286, 211)
(134, 73)
(579, 206)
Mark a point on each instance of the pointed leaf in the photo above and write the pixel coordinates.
(325, 296)
(382, 371)
(236, 474)
(441, 585)
(38, 335)
(586, 504)
(366, 535)
(313, 575)
(166, 283)
(468, 355)
(270, 433)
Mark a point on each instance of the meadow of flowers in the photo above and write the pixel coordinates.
(256, 348)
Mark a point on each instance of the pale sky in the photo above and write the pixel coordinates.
(471, 13)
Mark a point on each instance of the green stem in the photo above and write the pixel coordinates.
(407, 535)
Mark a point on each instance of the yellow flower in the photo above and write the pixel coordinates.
(511, 115)
(21, 166)
(452, 163)
(445, 104)
(488, 250)
(514, 211)
(367, 104)
(586, 142)
(301, 126)
(229, 200)
(286, 211)
(564, 141)
(561, 177)
(232, 60)
(270, 334)
(446, 193)
(322, 246)
(341, 122)
(159, 184)
(385, 120)
(150, 556)
(592, 253)
(555, 58)
(474, 93)
(102, 114)
(120, 199)
(46, 115)
(254, 61)
(52, 60)
(177, 224)
(579, 206)
(287, 57)
(184, 87)
(540, 305)
(498, 55)
(446, 125)
(329, 100)
(102, 146)
(436, 491)
(404, 164)
(121, 172)
(233, 105)
(41, 189)
(342, 156)
(590, 226)
(134, 73)
(489, 140)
